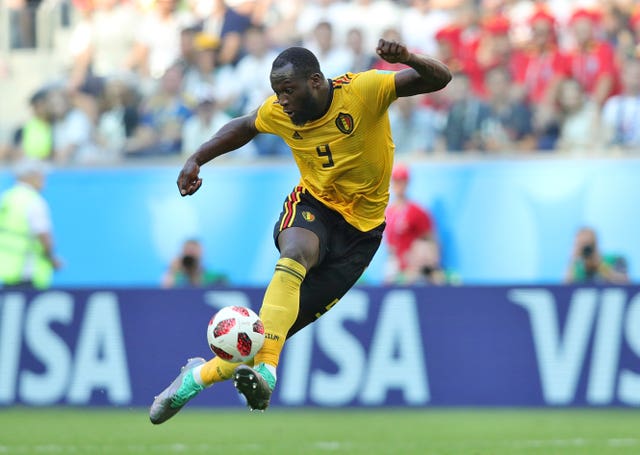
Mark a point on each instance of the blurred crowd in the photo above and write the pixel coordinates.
(155, 78)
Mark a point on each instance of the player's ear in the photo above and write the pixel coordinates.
(316, 80)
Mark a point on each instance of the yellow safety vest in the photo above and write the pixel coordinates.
(20, 250)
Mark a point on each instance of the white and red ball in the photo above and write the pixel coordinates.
(235, 334)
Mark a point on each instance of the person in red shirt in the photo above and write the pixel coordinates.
(541, 67)
(592, 61)
(540, 70)
(460, 55)
(406, 222)
(494, 50)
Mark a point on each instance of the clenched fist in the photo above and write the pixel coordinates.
(392, 51)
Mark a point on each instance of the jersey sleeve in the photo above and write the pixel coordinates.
(377, 88)
(264, 123)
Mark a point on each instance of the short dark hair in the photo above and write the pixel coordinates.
(39, 96)
(304, 62)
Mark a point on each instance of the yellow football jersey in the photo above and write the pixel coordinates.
(345, 157)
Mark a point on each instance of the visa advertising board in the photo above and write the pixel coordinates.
(449, 346)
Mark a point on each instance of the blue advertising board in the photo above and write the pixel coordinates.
(447, 346)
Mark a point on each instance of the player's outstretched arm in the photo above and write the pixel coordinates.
(426, 74)
(230, 137)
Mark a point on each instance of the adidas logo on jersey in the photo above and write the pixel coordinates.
(296, 135)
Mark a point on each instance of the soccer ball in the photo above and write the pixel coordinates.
(235, 334)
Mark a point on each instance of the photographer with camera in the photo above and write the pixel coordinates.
(424, 267)
(187, 269)
(588, 265)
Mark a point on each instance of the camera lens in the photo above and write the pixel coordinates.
(188, 262)
(587, 251)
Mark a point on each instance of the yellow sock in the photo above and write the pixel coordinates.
(217, 370)
(280, 308)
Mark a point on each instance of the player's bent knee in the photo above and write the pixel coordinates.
(300, 245)
(307, 258)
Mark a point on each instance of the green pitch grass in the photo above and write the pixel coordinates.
(311, 431)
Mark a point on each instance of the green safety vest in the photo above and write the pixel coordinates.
(37, 139)
(19, 248)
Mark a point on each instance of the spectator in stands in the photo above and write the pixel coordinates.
(621, 113)
(188, 269)
(279, 20)
(493, 50)
(34, 139)
(419, 23)
(162, 116)
(73, 130)
(188, 46)
(361, 59)
(251, 80)
(157, 42)
(207, 76)
(406, 222)
(227, 26)
(465, 117)
(578, 118)
(313, 12)
(334, 58)
(543, 65)
(119, 117)
(448, 41)
(101, 42)
(540, 70)
(251, 74)
(589, 265)
(508, 124)
(457, 51)
(415, 127)
(592, 60)
(208, 118)
(373, 17)
(616, 28)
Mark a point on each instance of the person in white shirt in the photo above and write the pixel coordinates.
(333, 57)
(157, 42)
(621, 113)
(73, 130)
(208, 118)
(419, 24)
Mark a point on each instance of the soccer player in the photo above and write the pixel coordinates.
(332, 222)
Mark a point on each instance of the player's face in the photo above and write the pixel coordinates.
(295, 95)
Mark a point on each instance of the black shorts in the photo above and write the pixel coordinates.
(345, 253)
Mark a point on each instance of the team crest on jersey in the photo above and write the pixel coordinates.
(308, 216)
(344, 122)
